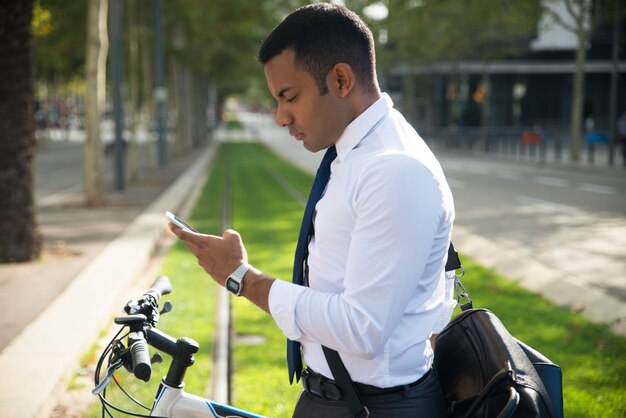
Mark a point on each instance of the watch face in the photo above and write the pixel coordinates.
(232, 286)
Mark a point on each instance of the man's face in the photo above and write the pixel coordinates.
(311, 118)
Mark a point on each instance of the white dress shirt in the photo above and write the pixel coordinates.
(376, 261)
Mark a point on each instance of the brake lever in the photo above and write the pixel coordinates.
(108, 376)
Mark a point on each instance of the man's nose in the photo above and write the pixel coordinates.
(283, 117)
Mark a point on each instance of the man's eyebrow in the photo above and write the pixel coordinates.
(281, 92)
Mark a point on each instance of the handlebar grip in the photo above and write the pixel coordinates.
(142, 368)
(160, 287)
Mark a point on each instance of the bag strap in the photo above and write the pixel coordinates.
(353, 398)
(453, 263)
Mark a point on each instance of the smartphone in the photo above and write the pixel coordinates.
(177, 221)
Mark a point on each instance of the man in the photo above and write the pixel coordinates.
(381, 230)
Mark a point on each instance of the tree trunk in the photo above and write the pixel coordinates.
(95, 66)
(133, 87)
(578, 97)
(19, 236)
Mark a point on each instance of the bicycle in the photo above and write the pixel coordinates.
(170, 400)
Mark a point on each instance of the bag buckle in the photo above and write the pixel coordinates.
(461, 293)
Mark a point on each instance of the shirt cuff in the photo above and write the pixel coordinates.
(283, 299)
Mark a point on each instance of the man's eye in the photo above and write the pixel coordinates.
(291, 99)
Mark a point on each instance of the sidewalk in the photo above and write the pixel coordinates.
(53, 309)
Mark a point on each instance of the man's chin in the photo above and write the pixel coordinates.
(312, 147)
(308, 147)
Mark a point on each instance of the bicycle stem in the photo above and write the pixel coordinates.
(181, 351)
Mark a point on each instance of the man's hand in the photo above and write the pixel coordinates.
(218, 256)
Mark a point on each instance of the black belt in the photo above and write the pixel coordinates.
(319, 385)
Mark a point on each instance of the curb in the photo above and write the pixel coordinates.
(44, 355)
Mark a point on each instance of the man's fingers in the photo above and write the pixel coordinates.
(185, 234)
(177, 230)
(191, 236)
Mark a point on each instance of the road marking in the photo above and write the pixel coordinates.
(526, 200)
(509, 175)
(476, 169)
(596, 188)
(551, 181)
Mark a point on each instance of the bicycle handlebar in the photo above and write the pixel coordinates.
(142, 366)
(142, 319)
(140, 324)
(160, 287)
(143, 315)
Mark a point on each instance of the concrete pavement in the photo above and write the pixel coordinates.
(53, 309)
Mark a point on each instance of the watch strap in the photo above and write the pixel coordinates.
(237, 276)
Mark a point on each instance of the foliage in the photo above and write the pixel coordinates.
(58, 52)
(426, 30)
(221, 38)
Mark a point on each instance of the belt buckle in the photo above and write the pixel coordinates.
(312, 383)
(321, 386)
(330, 390)
(306, 375)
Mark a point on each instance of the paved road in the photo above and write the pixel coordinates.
(571, 219)
(558, 229)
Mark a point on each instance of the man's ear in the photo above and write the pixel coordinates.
(341, 80)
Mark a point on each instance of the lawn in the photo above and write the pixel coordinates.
(268, 217)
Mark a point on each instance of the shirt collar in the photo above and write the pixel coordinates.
(360, 127)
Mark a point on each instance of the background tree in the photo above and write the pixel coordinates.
(220, 39)
(19, 236)
(583, 16)
(97, 48)
(418, 32)
(59, 53)
(423, 31)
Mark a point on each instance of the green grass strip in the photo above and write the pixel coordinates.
(194, 300)
(268, 217)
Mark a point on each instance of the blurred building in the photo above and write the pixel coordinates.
(531, 91)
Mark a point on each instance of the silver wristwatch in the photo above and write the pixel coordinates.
(234, 283)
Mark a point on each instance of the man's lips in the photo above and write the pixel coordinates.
(298, 135)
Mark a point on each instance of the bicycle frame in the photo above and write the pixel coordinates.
(175, 402)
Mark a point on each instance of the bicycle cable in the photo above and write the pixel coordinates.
(106, 404)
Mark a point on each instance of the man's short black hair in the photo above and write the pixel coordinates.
(323, 35)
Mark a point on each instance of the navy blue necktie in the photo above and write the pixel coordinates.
(294, 358)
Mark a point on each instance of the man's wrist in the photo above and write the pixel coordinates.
(257, 288)
(234, 282)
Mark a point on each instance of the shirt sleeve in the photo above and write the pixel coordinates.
(390, 272)
(282, 312)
